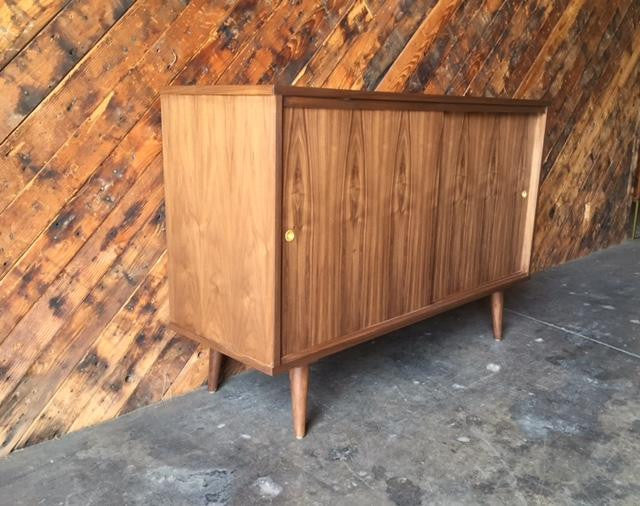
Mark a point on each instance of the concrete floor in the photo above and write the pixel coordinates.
(437, 413)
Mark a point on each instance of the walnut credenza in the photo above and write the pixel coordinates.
(301, 222)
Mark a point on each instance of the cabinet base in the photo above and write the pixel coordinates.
(299, 375)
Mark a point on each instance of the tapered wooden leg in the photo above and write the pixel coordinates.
(497, 305)
(215, 363)
(299, 378)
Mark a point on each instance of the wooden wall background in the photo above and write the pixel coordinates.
(83, 297)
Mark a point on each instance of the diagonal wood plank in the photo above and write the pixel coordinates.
(407, 61)
(104, 353)
(24, 153)
(41, 65)
(97, 136)
(21, 21)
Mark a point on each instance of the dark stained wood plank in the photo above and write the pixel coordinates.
(407, 61)
(287, 40)
(162, 373)
(109, 400)
(21, 21)
(570, 102)
(473, 45)
(25, 152)
(72, 286)
(562, 185)
(441, 45)
(355, 20)
(193, 375)
(48, 58)
(24, 282)
(371, 52)
(53, 396)
(61, 177)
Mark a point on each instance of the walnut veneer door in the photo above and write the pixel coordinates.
(359, 192)
(484, 169)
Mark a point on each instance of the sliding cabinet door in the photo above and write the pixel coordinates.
(482, 200)
(359, 197)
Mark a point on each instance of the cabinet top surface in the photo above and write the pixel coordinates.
(328, 93)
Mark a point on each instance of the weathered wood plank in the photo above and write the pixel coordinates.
(71, 287)
(192, 375)
(287, 41)
(83, 95)
(440, 47)
(102, 353)
(77, 220)
(108, 401)
(408, 60)
(57, 244)
(162, 373)
(83, 324)
(369, 54)
(78, 161)
(545, 15)
(48, 58)
(559, 190)
(355, 20)
(573, 87)
(21, 20)
(472, 46)
(61, 177)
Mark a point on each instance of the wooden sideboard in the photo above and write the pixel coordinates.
(301, 221)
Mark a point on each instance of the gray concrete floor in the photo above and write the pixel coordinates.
(437, 413)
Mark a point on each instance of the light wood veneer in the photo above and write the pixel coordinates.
(301, 222)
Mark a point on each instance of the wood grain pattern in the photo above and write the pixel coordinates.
(485, 168)
(394, 210)
(221, 188)
(583, 57)
(353, 208)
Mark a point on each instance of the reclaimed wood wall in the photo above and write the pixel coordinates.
(83, 296)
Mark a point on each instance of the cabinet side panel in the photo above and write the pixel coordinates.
(220, 187)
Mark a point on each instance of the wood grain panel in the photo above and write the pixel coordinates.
(485, 167)
(344, 274)
(221, 187)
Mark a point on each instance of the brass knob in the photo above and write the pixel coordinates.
(289, 235)
(524, 194)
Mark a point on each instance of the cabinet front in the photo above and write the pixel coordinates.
(386, 212)
(359, 213)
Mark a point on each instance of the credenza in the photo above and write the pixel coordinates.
(303, 221)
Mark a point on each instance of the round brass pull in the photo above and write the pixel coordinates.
(524, 194)
(289, 235)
